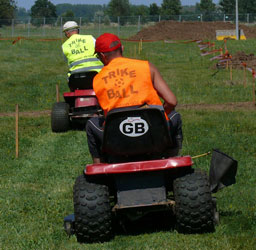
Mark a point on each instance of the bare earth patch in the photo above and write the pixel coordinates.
(189, 30)
(232, 106)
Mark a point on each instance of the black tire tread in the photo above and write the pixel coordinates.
(92, 211)
(60, 121)
(193, 203)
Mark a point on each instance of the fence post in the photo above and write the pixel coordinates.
(201, 17)
(118, 26)
(224, 18)
(253, 87)
(99, 26)
(61, 27)
(57, 93)
(179, 18)
(12, 27)
(29, 26)
(17, 130)
(159, 18)
(44, 27)
(248, 18)
(138, 23)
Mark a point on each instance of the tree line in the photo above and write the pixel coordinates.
(115, 8)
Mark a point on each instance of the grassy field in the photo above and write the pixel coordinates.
(36, 188)
(48, 31)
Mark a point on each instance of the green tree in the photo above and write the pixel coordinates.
(139, 10)
(68, 14)
(171, 7)
(22, 13)
(80, 10)
(244, 6)
(228, 6)
(207, 6)
(188, 9)
(118, 8)
(7, 9)
(248, 6)
(43, 8)
(154, 9)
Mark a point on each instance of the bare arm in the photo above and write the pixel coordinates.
(163, 89)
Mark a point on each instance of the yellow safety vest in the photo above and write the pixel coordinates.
(79, 52)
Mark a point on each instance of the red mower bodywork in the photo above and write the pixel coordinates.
(140, 166)
(139, 176)
(78, 107)
(81, 98)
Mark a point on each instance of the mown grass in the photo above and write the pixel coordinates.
(36, 188)
(52, 32)
(31, 69)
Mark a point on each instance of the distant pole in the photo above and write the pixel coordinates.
(44, 27)
(118, 25)
(61, 33)
(237, 29)
(17, 130)
(12, 27)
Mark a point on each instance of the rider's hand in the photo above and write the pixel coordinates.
(168, 108)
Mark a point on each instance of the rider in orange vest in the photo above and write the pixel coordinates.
(125, 82)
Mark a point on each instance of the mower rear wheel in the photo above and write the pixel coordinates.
(60, 121)
(194, 207)
(92, 211)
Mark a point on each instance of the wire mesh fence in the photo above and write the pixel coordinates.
(124, 26)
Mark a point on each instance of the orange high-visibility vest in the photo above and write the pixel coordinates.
(125, 82)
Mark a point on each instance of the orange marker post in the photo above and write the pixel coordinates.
(253, 87)
(244, 80)
(231, 73)
(17, 130)
(57, 93)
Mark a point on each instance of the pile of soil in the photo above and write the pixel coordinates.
(238, 61)
(240, 57)
(172, 30)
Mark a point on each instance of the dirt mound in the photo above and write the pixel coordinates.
(238, 61)
(172, 30)
(240, 57)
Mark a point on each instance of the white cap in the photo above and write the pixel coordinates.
(70, 25)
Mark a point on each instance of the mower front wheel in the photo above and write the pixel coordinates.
(60, 121)
(194, 207)
(92, 211)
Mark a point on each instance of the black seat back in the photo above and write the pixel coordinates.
(136, 132)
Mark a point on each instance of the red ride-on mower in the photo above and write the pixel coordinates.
(78, 107)
(138, 178)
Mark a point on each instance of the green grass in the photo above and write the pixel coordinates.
(52, 32)
(36, 188)
(31, 69)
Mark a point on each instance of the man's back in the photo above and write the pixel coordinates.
(78, 47)
(125, 82)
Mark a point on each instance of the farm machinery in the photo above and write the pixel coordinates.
(139, 176)
(78, 106)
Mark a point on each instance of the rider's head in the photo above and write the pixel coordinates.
(108, 46)
(70, 28)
